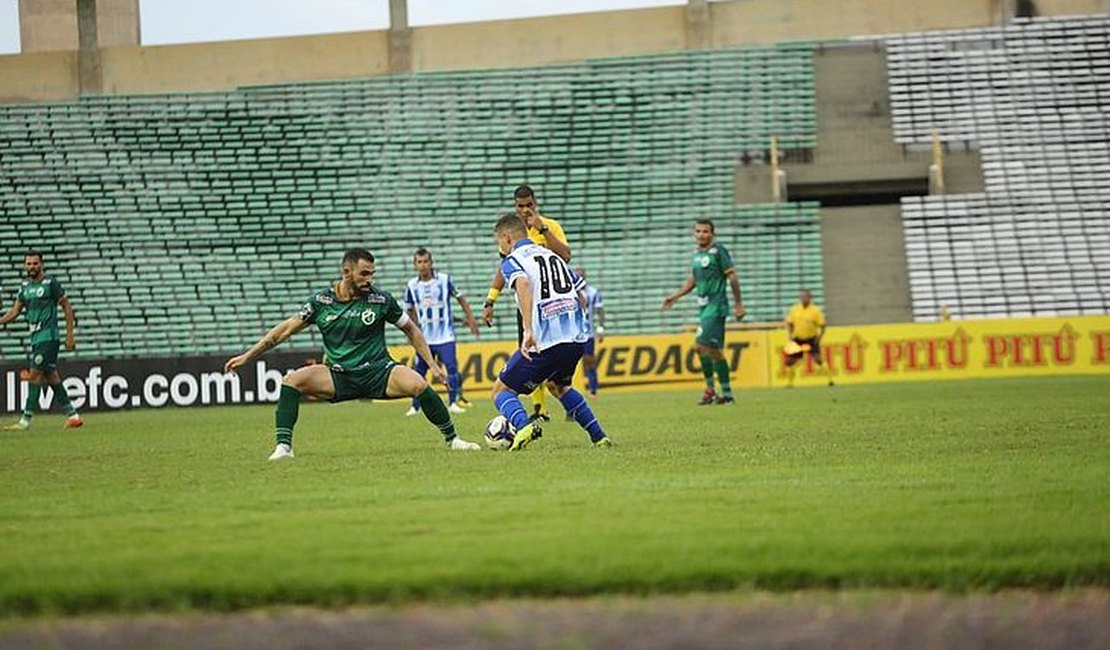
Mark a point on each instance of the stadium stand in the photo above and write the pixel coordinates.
(1034, 96)
(188, 223)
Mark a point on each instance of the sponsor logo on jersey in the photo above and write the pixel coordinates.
(307, 311)
(40, 292)
(556, 308)
(324, 299)
(376, 299)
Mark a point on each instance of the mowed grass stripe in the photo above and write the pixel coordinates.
(957, 485)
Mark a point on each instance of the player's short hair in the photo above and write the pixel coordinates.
(356, 255)
(707, 222)
(33, 254)
(510, 223)
(523, 192)
(421, 252)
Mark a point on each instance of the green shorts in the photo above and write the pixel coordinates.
(711, 331)
(44, 355)
(365, 382)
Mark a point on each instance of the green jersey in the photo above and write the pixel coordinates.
(354, 331)
(711, 268)
(40, 304)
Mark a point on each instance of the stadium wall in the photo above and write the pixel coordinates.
(856, 354)
(494, 44)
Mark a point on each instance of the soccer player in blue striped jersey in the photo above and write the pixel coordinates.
(428, 302)
(595, 315)
(550, 300)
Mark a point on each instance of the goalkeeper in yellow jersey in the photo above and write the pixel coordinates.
(805, 325)
(546, 232)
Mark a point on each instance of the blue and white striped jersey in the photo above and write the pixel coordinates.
(593, 303)
(432, 302)
(557, 316)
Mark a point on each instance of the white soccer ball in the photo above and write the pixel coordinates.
(499, 434)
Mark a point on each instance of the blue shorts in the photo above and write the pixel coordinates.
(588, 348)
(447, 355)
(555, 364)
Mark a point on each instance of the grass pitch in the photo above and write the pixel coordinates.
(957, 485)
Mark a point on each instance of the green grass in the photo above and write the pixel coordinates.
(957, 485)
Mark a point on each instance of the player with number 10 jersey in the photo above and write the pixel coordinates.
(555, 332)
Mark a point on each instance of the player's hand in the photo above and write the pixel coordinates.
(438, 375)
(740, 311)
(487, 315)
(71, 344)
(669, 302)
(527, 343)
(599, 337)
(234, 363)
(528, 216)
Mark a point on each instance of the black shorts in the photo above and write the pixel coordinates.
(814, 351)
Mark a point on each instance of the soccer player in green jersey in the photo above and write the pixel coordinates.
(351, 316)
(41, 296)
(712, 270)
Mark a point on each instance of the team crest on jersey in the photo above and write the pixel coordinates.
(704, 262)
(368, 316)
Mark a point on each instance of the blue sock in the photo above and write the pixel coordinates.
(452, 388)
(591, 381)
(416, 403)
(577, 407)
(509, 405)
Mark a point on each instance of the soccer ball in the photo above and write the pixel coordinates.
(499, 433)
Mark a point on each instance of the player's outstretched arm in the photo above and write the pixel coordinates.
(524, 294)
(495, 287)
(687, 287)
(471, 323)
(558, 246)
(12, 313)
(420, 344)
(734, 282)
(71, 323)
(275, 337)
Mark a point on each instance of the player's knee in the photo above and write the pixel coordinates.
(556, 390)
(418, 385)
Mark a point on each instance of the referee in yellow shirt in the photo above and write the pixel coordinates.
(546, 232)
(805, 325)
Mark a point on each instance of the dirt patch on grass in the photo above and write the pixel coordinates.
(1079, 619)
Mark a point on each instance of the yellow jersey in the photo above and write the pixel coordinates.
(807, 321)
(553, 228)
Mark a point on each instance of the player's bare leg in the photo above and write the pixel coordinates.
(405, 382)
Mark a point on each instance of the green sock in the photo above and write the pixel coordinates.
(32, 401)
(63, 398)
(289, 405)
(722, 376)
(432, 407)
(707, 370)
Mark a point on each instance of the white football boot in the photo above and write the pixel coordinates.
(458, 444)
(281, 452)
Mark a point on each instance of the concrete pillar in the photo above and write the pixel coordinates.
(117, 23)
(400, 38)
(47, 25)
(699, 35)
(89, 76)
